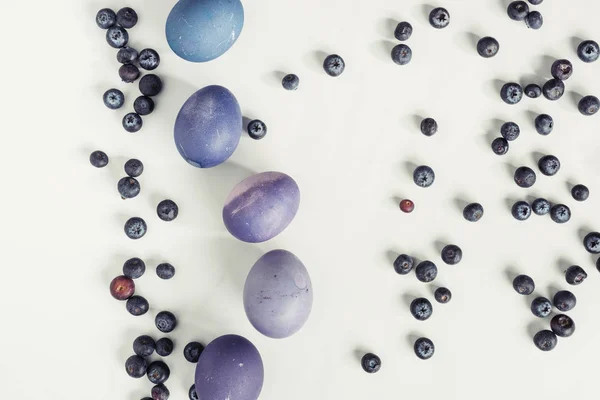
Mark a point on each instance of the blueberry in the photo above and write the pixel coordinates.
(424, 348)
(589, 105)
(541, 307)
(510, 131)
(525, 177)
(561, 69)
(134, 268)
(439, 18)
(127, 17)
(334, 65)
(128, 187)
(403, 264)
(165, 321)
(257, 129)
(403, 31)
(160, 392)
(113, 99)
(429, 126)
(421, 308)
(135, 366)
(135, 228)
(517, 10)
(144, 346)
(158, 372)
(106, 18)
(132, 122)
(588, 51)
(407, 206)
(442, 295)
(117, 37)
(540, 206)
(401, 54)
(164, 347)
(127, 55)
(575, 275)
(500, 146)
(192, 393)
(521, 210)
(533, 90)
(129, 73)
(534, 20)
(423, 176)
(192, 351)
(426, 271)
(149, 59)
(560, 213)
(122, 287)
(98, 159)
(545, 340)
(562, 325)
(564, 300)
(167, 210)
(544, 124)
(290, 82)
(536, 2)
(134, 168)
(591, 242)
(473, 212)
(137, 305)
(511, 93)
(370, 363)
(549, 165)
(488, 47)
(165, 271)
(524, 285)
(143, 105)
(150, 85)
(580, 192)
(451, 254)
(553, 89)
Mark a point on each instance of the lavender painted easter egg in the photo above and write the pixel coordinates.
(261, 207)
(229, 368)
(208, 127)
(278, 294)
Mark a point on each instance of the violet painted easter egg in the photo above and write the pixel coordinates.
(208, 127)
(229, 368)
(278, 294)
(261, 207)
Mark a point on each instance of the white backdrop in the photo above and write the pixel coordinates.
(349, 142)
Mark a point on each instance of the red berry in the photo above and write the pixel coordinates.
(407, 206)
(122, 287)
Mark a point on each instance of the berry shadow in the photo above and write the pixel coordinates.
(274, 78)
(510, 273)
(569, 186)
(529, 78)
(536, 155)
(562, 264)
(412, 337)
(460, 203)
(509, 202)
(382, 49)
(531, 116)
(358, 353)
(575, 41)
(314, 60)
(552, 289)
(468, 41)
(510, 169)
(575, 98)
(391, 256)
(544, 63)
(439, 244)
(397, 200)
(407, 298)
(417, 119)
(409, 167)
(386, 27)
(535, 326)
(583, 231)
(426, 10)
(245, 122)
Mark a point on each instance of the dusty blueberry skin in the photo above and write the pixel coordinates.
(229, 367)
(500, 146)
(553, 89)
(534, 20)
(133, 167)
(560, 213)
(429, 126)
(423, 176)
(403, 264)
(165, 321)
(510, 131)
(562, 69)
(424, 348)
(541, 307)
(545, 340)
(127, 17)
(129, 73)
(135, 366)
(536, 2)
(134, 268)
(334, 65)
(106, 18)
(160, 392)
(524, 285)
(113, 99)
(488, 47)
(451, 254)
(128, 187)
(511, 93)
(165, 271)
(164, 347)
(290, 82)
(149, 59)
(150, 85)
(132, 122)
(421, 308)
(370, 363)
(540, 206)
(127, 55)
(401, 54)
(521, 210)
(144, 346)
(137, 305)
(580, 192)
(135, 228)
(588, 105)
(588, 51)
(426, 271)
(257, 129)
(99, 159)
(473, 212)
(192, 351)
(403, 31)
(533, 90)
(562, 325)
(442, 295)
(525, 177)
(517, 10)
(439, 18)
(117, 37)
(598, 264)
(564, 300)
(158, 372)
(549, 165)
(575, 275)
(167, 210)
(208, 127)
(591, 242)
(192, 393)
(544, 124)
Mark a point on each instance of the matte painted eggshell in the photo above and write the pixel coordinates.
(229, 368)
(261, 207)
(202, 30)
(208, 127)
(278, 294)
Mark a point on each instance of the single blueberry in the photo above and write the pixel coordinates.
(401, 54)
(533, 90)
(290, 82)
(500, 146)
(591, 242)
(135, 366)
(192, 393)
(553, 89)
(426, 271)
(562, 325)
(575, 275)
(580, 192)
(423, 176)
(129, 73)
(128, 187)
(160, 392)
(421, 308)
(536, 2)
(540, 206)
(143, 105)
(534, 20)
(164, 347)
(488, 47)
(524, 285)
(113, 99)
(192, 351)
(127, 55)
(99, 159)
(137, 305)
(134, 268)
(429, 126)
(167, 210)
(165, 321)
(144, 346)
(134, 168)
(424, 348)
(521, 210)
(473, 212)
(370, 363)
(106, 18)
(560, 213)
(403, 264)
(517, 10)
(149, 59)
(132, 122)
(549, 165)
(589, 105)
(439, 18)
(127, 17)
(257, 129)
(135, 228)
(511, 93)
(334, 65)
(151, 85)
(544, 124)
(117, 37)
(564, 300)
(510, 131)
(165, 271)
(561, 69)
(407, 206)
(158, 372)
(403, 31)
(451, 254)
(442, 295)
(525, 177)
(545, 340)
(541, 307)
(588, 51)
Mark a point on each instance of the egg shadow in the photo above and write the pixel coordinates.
(382, 49)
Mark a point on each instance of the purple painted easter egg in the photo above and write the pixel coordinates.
(261, 207)
(278, 294)
(229, 368)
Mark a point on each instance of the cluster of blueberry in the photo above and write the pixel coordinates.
(519, 11)
(150, 85)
